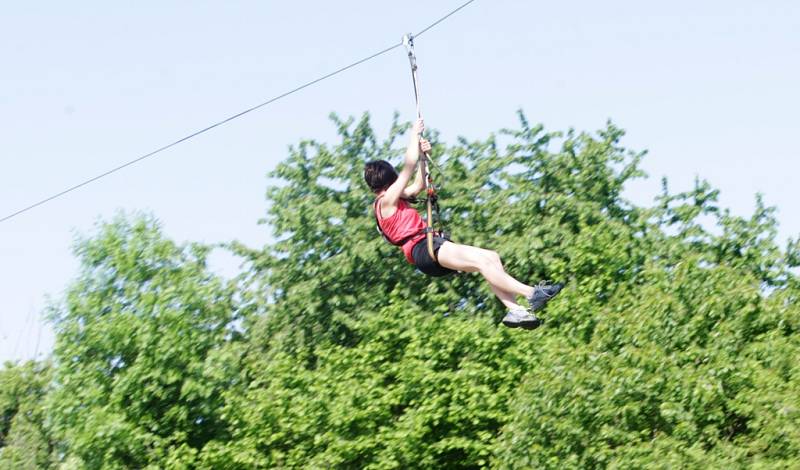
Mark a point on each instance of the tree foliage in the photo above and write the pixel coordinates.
(25, 442)
(138, 378)
(674, 344)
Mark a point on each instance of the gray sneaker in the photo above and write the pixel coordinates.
(521, 319)
(542, 294)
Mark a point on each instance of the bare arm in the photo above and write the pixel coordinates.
(397, 189)
(419, 183)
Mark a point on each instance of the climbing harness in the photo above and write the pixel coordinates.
(431, 199)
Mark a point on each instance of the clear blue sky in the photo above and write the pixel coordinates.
(709, 88)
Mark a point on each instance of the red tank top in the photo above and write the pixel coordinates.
(405, 223)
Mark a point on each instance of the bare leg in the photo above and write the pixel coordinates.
(487, 262)
(508, 299)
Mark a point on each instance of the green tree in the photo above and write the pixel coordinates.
(657, 343)
(24, 439)
(673, 346)
(418, 391)
(140, 351)
(691, 364)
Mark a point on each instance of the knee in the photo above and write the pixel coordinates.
(491, 258)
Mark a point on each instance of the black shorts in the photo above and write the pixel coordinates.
(423, 260)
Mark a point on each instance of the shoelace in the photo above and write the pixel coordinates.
(543, 285)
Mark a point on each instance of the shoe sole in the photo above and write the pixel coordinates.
(532, 325)
(524, 325)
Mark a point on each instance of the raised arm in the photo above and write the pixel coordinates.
(396, 190)
(419, 183)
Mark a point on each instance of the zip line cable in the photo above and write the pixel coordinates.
(443, 18)
(224, 121)
(194, 134)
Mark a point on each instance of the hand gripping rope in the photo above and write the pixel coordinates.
(430, 189)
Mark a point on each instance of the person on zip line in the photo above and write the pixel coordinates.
(402, 226)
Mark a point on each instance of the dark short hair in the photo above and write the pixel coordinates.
(379, 175)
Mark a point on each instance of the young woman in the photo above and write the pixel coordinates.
(402, 226)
